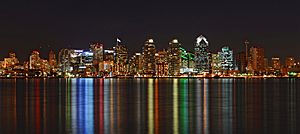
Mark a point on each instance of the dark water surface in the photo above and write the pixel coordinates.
(150, 106)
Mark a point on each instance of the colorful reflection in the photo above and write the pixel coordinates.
(107, 106)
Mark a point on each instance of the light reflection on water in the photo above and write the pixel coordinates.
(149, 106)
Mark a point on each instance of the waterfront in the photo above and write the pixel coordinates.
(87, 105)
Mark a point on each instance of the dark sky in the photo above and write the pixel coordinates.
(28, 25)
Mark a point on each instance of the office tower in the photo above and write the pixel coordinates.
(216, 63)
(290, 62)
(135, 64)
(174, 54)
(121, 59)
(64, 61)
(11, 61)
(256, 59)
(149, 51)
(108, 60)
(202, 59)
(241, 62)
(35, 60)
(162, 65)
(52, 60)
(226, 56)
(246, 43)
(97, 49)
(276, 63)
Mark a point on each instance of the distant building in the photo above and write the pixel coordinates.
(64, 63)
(290, 62)
(108, 61)
(35, 60)
(149, 51)
(241, 62)
(52, 60)
(121, 59)
(216, 63)
(256, 60)
(226, 56)
(97, 49)
(276, 63)
(135, 64)
(202, 58)
(174, 57)
(162, 65)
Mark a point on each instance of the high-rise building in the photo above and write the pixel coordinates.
(276, 63)
(256, 59)
(64, 64)
(108, 61)
(162, 66)
(149, 51)
(226, 56)
(174, 54)
(241, 62)
(135, 64)
(52, 60)
(290, 62)
(216, 63)
(246, 43)
(11, 61)
(202, 58)
(121, 59)
(35, 60)
(97, 49)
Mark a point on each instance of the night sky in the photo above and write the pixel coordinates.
(27, 26)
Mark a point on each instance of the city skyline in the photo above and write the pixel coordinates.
(55, 25)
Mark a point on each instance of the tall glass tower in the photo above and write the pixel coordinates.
(202, 59)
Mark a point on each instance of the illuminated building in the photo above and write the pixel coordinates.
(266, 63)
(64, 63)
(97, 49)
(226, 56)
(202, 58)
(121, 59)
(108, 61)
(52, 60)
(11, 61)
(290, 62)
(216, 63)
(174, 57)
(187, 62)
(241, 62)
(135, 64)
(246, 43)
(276, 63)
(149, 51)
(256, 59)
(35, 60)
(162, 67)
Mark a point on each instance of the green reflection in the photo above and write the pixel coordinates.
(183, 106)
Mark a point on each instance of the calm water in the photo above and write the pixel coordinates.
(150, 106)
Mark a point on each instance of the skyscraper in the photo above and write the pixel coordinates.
(35, 60)
(202, 59)
(121, 59)
(276, 63)
(149, 51)
(162, 66)
(241, 62)
(52, 60)
(256, 59)
(97, 49)
(174, 57)
(290, 62)
(226, 56)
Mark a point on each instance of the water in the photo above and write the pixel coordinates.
(150, 106)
